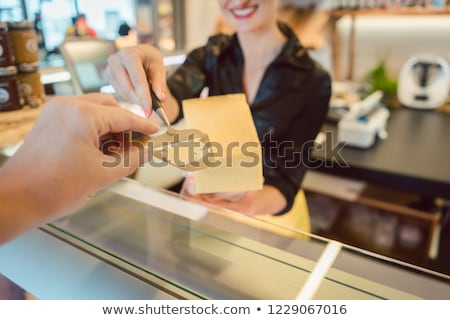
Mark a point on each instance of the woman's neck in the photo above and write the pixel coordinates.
(262, 45)
(259, 48)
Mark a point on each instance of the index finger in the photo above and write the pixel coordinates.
(133, 62)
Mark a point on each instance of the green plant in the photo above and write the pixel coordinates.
(379, 80)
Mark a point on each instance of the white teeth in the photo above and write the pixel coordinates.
(243, 12)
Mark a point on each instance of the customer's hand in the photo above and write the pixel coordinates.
(130, 70)
(61, 162)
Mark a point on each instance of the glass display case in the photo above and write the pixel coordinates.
(193, 251)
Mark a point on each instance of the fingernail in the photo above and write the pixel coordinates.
(163, 96)
(147, 113)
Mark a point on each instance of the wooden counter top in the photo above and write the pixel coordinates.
(15, 125)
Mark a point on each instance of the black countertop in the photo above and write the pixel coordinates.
(415, 157)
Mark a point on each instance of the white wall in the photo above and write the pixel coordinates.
(201, 16)
(394, 39)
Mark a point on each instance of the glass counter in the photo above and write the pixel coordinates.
(194, 251)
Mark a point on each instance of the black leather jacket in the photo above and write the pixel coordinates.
(289, 108)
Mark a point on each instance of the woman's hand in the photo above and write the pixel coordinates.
(245, 203)
(130, 71)
(267, 201)
(242, 202)
(62, 162)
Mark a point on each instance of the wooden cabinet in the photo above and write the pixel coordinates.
(380, 220)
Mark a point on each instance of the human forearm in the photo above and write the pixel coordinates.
(17, 212)
(268, 201)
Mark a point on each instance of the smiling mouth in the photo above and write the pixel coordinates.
(244, 13)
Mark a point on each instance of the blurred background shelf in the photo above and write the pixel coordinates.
(15, 125)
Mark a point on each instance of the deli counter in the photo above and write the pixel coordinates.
(133, 241)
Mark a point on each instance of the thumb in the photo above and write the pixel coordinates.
(158, 82)
(124, 163)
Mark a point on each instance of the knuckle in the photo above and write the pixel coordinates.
(112, 59)
(128, 54)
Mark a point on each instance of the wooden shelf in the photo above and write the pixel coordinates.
(357, 222)
(343, 232)
(408, 11)
(15, 125)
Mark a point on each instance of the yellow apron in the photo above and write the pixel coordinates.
(297, 219)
